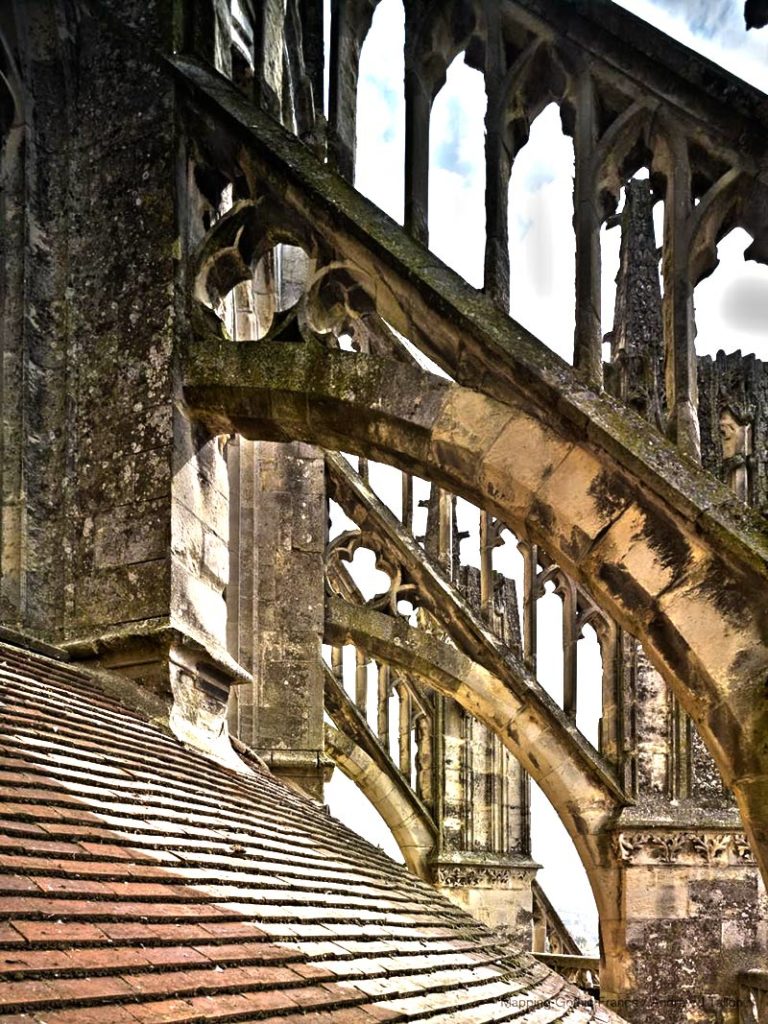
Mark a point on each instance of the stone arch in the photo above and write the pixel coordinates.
(442, 668)
(584, 799)
(539, 77)
(683, 578)
(710, 221)
(407, 824)
(492, 685)
(623, 148)
(435, 35)
(729, 208)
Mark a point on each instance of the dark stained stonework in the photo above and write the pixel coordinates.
(198, 313)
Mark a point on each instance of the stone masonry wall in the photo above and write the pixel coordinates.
(93, 351)
(693, 927)
(120, 309)
(115, 507)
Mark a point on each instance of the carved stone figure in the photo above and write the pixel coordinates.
(736, 440)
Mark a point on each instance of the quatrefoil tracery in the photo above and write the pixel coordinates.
(401, 588)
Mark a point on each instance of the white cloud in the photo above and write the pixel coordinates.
(381, 111)
(457, 173)
(541, 241)
(732, 304)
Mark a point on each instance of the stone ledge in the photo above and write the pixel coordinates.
(482, 871)
(147, 637)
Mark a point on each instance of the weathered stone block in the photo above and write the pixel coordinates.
(517, 464)
(467, 426)
(579, 499)
(739, 933)
(118, 594)
(130, 534)
(215, 558)
(657, 894)
(627, 563)
(199, 607)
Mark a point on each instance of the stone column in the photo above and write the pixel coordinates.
(497, 163)
(278, 582)
(418, 108)
(587, 350)
(679, 327)
(350, 22)
(96, 334)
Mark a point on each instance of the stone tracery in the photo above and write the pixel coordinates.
(403, 326)
(637, 534)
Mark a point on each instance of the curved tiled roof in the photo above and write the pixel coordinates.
(143, 882)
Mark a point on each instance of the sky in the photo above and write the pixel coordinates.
(731, 305)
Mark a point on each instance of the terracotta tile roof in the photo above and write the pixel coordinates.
(141, 881)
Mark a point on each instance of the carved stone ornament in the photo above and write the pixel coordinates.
(683, 848)
(481, 876)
